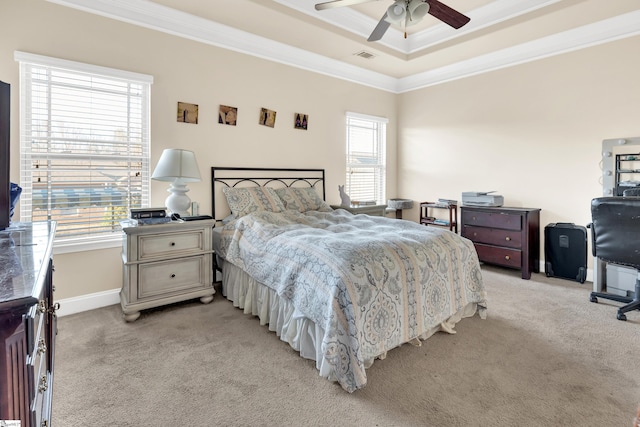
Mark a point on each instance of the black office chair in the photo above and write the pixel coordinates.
(615, 238)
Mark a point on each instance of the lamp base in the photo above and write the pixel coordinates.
(178, 202)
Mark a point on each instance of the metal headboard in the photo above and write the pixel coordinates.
(260, 177)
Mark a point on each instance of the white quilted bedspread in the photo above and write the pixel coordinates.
(372, 283)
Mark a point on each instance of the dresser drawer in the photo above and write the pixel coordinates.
(507, 221)
(162, 278)
(36, 360)
(493, 236)
(499, 255)
(34, 324)
(42, 383)
(170, 244)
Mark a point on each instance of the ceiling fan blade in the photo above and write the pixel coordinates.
(379, 30)
(339, 3)
(446, 14)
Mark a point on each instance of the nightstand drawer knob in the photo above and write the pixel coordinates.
(173, 275)
(508, 239)
(173, 243)
(507, 257)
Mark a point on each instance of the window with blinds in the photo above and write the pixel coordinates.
(84, 146)
(366, 160)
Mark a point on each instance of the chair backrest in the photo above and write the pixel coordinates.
(615, 229)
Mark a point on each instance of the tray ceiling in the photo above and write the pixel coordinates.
(501, 33)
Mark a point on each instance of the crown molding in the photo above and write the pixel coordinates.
(619, 27)
(483, 17)
(151, 15)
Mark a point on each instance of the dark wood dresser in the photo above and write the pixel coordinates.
(27, 323)
(508, 237)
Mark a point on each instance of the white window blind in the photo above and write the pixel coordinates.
(366, 160)
(84, 146)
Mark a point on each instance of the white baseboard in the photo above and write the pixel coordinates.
(88, 302)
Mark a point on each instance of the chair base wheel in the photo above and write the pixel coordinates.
(593, 298)
(621, 316)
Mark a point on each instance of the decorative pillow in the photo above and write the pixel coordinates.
(243, 201)
(302, 199)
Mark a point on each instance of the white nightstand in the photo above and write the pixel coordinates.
(166, 263)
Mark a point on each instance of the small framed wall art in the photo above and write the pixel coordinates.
(267, 117)
(227, 115)
(187, 113)
(301, 121)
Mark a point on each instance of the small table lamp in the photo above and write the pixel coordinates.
(178, 166)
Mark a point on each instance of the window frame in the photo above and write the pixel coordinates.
(380, 143)
(82, 242)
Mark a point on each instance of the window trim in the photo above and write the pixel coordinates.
(84, 243)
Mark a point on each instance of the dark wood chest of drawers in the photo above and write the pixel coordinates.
(508, 237)
(27, 323)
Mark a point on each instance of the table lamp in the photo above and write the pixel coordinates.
(178, 166)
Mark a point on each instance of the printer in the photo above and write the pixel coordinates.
(481, 198)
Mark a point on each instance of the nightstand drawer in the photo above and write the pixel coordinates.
(170, 244)
(499, 256)
(492, 219)
(492, 236)
(162, 278)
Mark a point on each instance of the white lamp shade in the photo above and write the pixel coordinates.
(178, 166)
(417, 10)
(175, 164)
(397, 12)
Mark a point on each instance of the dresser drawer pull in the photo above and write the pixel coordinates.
(173, 275)
(55, 307)
(41, 307)
(507, 257)
(42, 346)
(43, 384)
(172, 243)
(508, 239)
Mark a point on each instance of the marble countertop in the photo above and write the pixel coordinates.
(25, 249)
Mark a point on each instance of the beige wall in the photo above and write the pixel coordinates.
(532, 132)
(205, 75)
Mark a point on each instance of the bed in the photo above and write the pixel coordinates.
(341, 289)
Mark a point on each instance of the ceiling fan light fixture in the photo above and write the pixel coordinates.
(397, 12)
(417, 9)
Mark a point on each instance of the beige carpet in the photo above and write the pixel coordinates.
(545, 356)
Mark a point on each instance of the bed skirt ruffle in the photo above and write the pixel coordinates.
(301, 333)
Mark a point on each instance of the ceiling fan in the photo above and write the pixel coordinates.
(405, 12)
